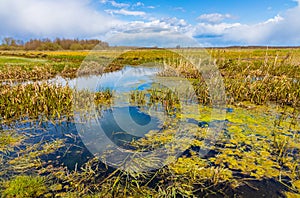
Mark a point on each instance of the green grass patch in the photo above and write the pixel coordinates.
(19, 60)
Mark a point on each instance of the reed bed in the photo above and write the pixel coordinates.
(259, 62)
(279, 90)
(33, 100)
(45, 101)
(21, 73)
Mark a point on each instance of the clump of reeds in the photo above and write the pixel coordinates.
(21, 73)
(156, 97)
(178, 66)
(42, 100)
(279, 90)
(34, 100)
(103, 97)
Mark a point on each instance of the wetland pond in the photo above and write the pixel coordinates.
(143, 105)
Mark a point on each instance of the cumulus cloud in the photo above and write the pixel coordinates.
(282, 29)
(173, 24)
(126, 12)
(214, 17)
(256, 34)
(78, 18)
(53, 18)
(165, 32)
(152, 36)
(202, 29)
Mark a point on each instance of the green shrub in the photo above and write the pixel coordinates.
(50, 46)
(76, 46)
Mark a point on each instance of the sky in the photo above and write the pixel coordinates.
(156, 22)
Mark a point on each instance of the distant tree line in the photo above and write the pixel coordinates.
(9, 43)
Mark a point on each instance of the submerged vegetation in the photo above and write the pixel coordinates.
(256, 150)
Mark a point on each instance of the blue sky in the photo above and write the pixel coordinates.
(159, 23)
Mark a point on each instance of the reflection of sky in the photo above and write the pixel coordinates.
(129, 78)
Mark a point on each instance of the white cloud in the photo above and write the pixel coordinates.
(78, 18)
(174, 23)
(275, 31)
(235, 33)
(142, 5)
(126, 12)
(138, 4)
(53, 18)
(214, 17)
(115, 4)
(282, 29)
(165, 32)
(119, 5)
(149, 37)
(207, 29)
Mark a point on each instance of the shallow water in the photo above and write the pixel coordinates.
(120, 124)
(74, 153)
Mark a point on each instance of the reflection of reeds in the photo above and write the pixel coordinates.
(103, 97)
(156, 97)
(138, 97)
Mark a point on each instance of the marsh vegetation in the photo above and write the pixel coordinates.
(256, 151)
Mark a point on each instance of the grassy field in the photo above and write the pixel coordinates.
(257, 151)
